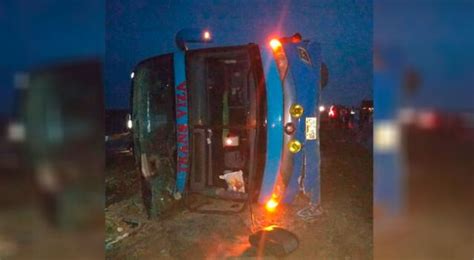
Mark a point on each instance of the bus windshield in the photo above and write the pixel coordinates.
(154, 105)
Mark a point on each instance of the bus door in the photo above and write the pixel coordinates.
(224, 114)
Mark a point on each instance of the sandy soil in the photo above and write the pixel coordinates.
(344, 231)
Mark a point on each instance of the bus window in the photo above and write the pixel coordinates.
(154, 130)
(153, 86)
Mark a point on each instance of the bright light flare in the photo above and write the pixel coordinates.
(207, 35)
(132, 75)
(129, 124)
(270, 228)
(275, 44)
(271, 205)
(231, 141)
(321, 108)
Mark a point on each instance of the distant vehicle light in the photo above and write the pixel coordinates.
(331, 112)
(16, 132)
(129, 124)
(296, 110)
(132, 75)
(271, 205)
(427, 120)
(321, 108)
(353, 112)
(207, 35)
(275, 44)
(294, 146)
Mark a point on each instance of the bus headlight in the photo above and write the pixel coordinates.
(294, 146)
(289, 128)
(296, 110)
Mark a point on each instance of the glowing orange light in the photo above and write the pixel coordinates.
(270, 228)
(207, 35)
(271, 205)
(228, 141)
(275, 44)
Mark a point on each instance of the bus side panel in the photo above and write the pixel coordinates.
(304, 61)
(182, 129)
(274, 126)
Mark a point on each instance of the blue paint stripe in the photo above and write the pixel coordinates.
(180, 77)
(274, 125)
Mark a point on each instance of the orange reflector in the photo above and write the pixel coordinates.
(275, 44)
(271, 205)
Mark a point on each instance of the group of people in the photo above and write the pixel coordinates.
(345, 117)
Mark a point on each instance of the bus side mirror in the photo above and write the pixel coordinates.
(191, 35)
(324, 75)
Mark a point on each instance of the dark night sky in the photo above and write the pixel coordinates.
(435, 37)
(140, 29)
(37, 33)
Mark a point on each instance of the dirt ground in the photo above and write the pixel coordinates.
(436, 219)
(344, 231)
(25, 233)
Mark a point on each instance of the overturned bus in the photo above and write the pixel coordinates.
(231, 122)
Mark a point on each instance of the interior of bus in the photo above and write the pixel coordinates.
(226, 120)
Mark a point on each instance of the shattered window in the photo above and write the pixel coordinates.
(154, 104)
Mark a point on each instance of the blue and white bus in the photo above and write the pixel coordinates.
(199, 113)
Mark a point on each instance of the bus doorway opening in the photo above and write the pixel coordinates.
(226, 120)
